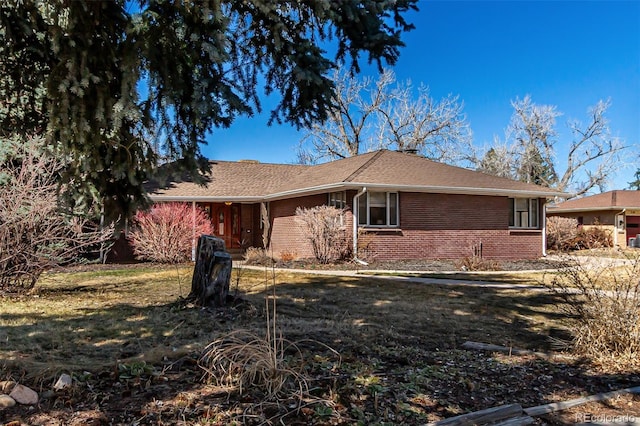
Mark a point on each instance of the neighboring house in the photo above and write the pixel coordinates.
(406, 207)
(618, 211)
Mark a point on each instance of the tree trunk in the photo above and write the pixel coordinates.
(211, 273)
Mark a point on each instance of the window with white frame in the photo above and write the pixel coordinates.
(523, 213)
(378, 209)
(338, 199)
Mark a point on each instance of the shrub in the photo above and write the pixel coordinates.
(167, 231)
(560, 230)
(602, 304)
(324, 230)
(589, 238)
(37, 231)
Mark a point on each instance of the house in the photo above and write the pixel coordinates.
(398, 205)
(618, 211)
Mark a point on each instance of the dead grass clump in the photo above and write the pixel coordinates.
(245, 360)
(477, 263)
(603, 305)
(271, 364)
(257, 256)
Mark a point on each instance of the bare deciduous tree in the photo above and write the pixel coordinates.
(593, 150)
(529, 152)
(533, 137)
(386, 114)
(497, 160)
(35, 232)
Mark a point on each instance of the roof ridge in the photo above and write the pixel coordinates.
(364, 166)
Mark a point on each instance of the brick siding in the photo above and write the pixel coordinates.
(432, 226)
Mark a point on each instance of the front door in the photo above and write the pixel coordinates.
(226, 224)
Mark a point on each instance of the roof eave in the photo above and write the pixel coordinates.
(468, 190)
(205, 199)
(590, 209)
(341, 186)
(418, 188)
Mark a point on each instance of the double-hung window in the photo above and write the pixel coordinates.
(378, 209)
(523, 213)
(338, 199)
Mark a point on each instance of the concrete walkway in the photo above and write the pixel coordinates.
(406, 276)
(588, 262)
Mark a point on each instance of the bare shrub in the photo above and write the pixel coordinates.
(560, 230)
(324, 229)
(602, 304)
(591, 238)
(166, 232)
(257, 256)
(36, 231)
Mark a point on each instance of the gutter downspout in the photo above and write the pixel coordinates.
(356, 219)
(544, 230)
(615, 228)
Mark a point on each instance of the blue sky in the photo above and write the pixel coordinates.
(565, 53)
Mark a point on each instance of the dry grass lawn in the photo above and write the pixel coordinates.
(399, 344)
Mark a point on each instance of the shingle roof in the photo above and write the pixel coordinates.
(611, 200)
(251, 181)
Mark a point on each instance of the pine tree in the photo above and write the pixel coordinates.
(635, 184)
(99, 78)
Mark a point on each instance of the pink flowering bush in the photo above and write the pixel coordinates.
(165, 233)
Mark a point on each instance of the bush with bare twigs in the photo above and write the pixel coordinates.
(324, 229)
(165, 233)
(560, 230)
(590, 238)
(36, 231)
(603, 306)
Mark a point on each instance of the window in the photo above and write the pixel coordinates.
(338, 199)
(378, 209)
(523, 212)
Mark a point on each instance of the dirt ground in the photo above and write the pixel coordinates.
(447, 380)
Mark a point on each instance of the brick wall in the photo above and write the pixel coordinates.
(447, 226)
(287, 234)
(432, 226)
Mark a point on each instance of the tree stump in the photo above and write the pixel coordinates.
(211, 273)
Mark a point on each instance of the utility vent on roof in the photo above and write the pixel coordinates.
(249, 161)
(413, 151)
